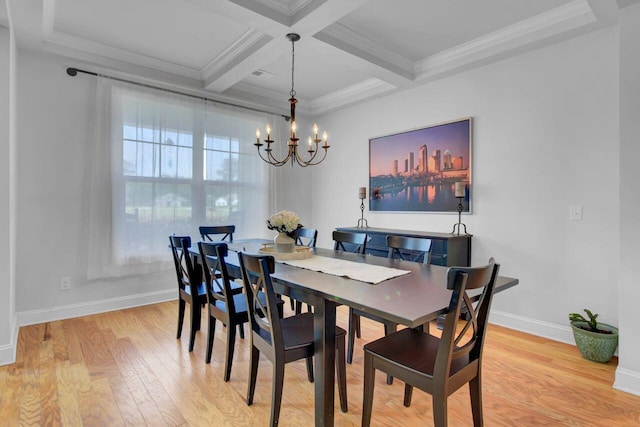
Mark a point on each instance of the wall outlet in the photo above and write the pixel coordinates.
(65, 283)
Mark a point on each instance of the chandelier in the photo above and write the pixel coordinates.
(293, 154)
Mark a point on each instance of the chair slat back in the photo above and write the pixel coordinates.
(216, 274)
(207, 231)
(186, 274)
(358, 241)
(409, 248)
(466, 340)
(256, 278)
(306, 234)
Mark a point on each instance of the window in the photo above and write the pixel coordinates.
(176, 163)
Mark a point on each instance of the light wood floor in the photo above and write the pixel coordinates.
(127, 368)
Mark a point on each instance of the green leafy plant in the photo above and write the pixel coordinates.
(591, 324)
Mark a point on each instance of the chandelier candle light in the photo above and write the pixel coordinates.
(293, 154)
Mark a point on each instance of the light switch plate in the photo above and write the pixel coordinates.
(575, 213)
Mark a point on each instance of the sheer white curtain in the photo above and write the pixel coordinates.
(165, 164)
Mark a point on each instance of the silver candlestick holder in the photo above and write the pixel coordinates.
(460, 192)
(362, 194)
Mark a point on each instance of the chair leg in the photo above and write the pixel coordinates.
(298, 307)
(369, 383)
(231, 344)
(341, 370)
(195, 323)
(475, 390)
(408, 392)
(241, 330)
(351, 336)
(210, 335)
(439, 409)
(310, 369)
(276, 397)
(181, 307)
(390, 328)
(253, 374)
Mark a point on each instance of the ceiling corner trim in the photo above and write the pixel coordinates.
(354, 93)
(347, 40)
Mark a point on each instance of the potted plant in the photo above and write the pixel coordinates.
(596, 341)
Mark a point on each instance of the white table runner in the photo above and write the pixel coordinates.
(353, 270)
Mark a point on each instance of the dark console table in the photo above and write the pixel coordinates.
(446, 249)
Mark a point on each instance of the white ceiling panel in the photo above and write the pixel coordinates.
(417, 29)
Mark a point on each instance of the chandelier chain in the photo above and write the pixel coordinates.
(293, 61)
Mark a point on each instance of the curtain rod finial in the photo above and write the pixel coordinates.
(72, 71)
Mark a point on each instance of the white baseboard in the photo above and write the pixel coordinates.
(627, 381)
(33, 317)
(531, 326)
(8, 351)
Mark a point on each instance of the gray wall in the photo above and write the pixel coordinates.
(628, 373)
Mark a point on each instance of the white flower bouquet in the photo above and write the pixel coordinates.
(284, 222)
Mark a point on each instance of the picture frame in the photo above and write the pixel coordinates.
(417, 170)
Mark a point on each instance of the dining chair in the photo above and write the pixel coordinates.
(306, 236)
(207, 231)
(281, 340)
(439, 365)
(224, 303)
(190, 287)
(414, 249)
(350, 242)
(400, 247)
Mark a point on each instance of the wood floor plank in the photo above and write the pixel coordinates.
(3, 380)
(30, 407)
(49, 386)
(59, 341)
(67, 396)
(11, 395)
(127, 368)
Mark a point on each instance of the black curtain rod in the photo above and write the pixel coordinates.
(74, 72)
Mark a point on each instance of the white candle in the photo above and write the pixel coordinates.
(460, 189)
(258, 136)
(362, 193)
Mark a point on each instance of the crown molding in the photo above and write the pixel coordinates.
(565, 18)
(354, 93)
(244, 46)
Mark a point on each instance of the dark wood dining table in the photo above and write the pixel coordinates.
(412, 300)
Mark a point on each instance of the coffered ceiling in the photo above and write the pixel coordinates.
(350, 50)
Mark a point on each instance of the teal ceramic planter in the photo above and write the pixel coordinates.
(594, 346)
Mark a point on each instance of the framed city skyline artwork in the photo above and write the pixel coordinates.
(416, 170)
